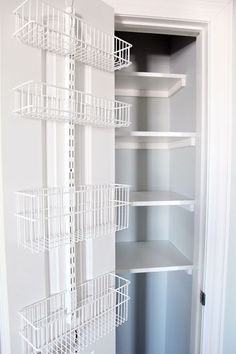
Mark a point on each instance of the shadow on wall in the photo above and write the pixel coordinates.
(155, 44)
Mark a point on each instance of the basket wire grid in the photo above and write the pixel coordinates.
(40, 25)
(47, 218)
(39, 100)
(52, 326)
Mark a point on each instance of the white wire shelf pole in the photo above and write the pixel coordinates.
(71, 158)
(71, 250)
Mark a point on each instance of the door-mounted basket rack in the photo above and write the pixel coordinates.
(41, 25)
(71, 320)
(42, 101)
(51, 217)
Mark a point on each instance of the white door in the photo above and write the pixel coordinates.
(37, 153)
(94, 151)
(93, 162)
(95, 157)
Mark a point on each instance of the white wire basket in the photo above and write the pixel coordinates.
(40, 25)
(71, 320)
(47, 218)
(39, 100)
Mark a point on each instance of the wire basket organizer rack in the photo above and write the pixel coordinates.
(40, 25)
(71, 320)
(47, 218)
(39, 100)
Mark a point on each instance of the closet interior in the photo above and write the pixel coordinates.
(156, 156)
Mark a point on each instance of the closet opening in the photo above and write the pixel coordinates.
(158, 156)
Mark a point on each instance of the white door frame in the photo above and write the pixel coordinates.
(216, 104)
(215, 17)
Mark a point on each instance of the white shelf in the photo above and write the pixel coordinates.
(159, 198)
(151, 256)
(147, 84)
(154, 140)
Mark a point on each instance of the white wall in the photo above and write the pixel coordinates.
(4, 323)
(229, 345)
(21, 163)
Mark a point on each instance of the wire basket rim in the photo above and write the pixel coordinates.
(129, 45)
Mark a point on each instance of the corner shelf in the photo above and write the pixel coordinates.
(160, 198)
(149, 84)
(150, 256)
(154, 140)
(42, 101)
(41, 25)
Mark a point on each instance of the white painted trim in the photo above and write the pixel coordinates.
(219, 177)
(200, 192)
(149, 25)
(184, 11)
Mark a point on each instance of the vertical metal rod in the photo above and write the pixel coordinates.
(71, 167)
(44, 166)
